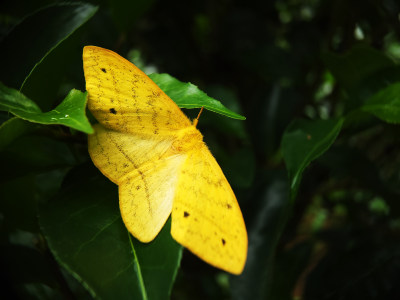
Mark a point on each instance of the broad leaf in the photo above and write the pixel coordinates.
(305, 140)
(36, 36)
(86, 234)
(11, 99)
(71, 112)
(187, 95)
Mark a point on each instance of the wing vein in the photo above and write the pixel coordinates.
(146, 187)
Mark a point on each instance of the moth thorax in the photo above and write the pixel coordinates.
(189, 138)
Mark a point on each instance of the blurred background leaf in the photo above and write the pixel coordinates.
(385, 104)
(303, 141)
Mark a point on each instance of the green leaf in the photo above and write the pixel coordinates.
(187, 95)
(85, 232)
(385, 104)
(159, 262)
(11, 99)
(36, 36)
(305, 140)
(71, 112)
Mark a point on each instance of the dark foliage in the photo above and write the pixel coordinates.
(318, 82)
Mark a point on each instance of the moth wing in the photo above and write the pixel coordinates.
(147, 179)
(116, 154)
(123, 98)
(146, 196)
(206, 217)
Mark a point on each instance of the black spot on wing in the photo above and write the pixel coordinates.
(103, 70)
(186, 214)
(113, 111)
(223, 242)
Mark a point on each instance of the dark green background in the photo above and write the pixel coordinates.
(315, 165)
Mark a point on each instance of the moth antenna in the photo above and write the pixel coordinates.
(195, 121)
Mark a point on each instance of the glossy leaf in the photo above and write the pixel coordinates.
(86, 234)
(71, 112)
(187, 95)
(36, 36)
(385, 104)
(304, 141)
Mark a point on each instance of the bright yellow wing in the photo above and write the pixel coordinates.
(146, 196)
(146, 174)
(206, 217)
(146, 145)
(117, 154)
(123, 98)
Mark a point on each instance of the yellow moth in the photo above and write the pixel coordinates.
(154, 153)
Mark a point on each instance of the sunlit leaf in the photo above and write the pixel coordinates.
(187, 95)
(71, 112)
